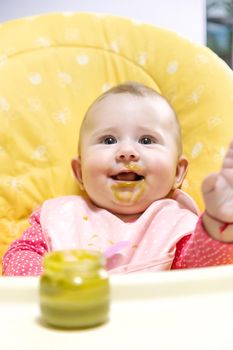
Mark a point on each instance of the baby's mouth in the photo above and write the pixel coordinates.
(127, 186)
(127, 176)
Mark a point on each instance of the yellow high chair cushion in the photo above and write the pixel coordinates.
(53, 66)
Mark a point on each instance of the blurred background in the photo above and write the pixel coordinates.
(219, 28)
(186, 17)
(206, 22)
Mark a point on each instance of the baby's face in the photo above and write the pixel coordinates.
(129, 155)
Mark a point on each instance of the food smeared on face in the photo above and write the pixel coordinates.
(129, 184)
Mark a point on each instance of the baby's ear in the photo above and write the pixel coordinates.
(77, 171)
(181, 171)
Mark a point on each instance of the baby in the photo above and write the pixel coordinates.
(130, 168)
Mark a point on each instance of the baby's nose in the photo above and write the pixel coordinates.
(127, 154)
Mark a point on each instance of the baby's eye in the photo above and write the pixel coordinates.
(147, 140)
(109, 140)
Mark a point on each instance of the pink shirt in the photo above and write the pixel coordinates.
(168, 235)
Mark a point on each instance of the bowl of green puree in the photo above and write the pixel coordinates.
(74, 289)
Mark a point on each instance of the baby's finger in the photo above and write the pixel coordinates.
(230, 145)
(227, 163)
(228, 159)
(209, 183)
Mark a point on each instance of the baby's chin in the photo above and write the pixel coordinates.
(124, 208)
(126, 213)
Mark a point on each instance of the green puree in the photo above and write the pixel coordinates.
(74, 289)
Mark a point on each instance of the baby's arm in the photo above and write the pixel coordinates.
(217, 192)
(199, 249)
(24, 256)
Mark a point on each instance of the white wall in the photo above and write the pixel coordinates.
(187, 17)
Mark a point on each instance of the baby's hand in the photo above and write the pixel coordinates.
(217, 190)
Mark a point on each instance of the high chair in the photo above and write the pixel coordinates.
(53, 66)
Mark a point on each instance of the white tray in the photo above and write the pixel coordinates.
(187, 309)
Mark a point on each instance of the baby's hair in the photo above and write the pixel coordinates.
(132, 88)
(136, 89)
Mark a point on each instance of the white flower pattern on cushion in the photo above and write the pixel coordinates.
(3, 60)
(172, 67)
(214, 121)
(197, 149)
(68, 14)
(65, 78)
(106, 86)
(142, 58)
(62, 116)
(14, 183)
(196, 94)
(43, 41)
(219, 155)
(35, 78)
(40, 153)
(4, 104)
(82, 59)
(114, 46)
(202, 59)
